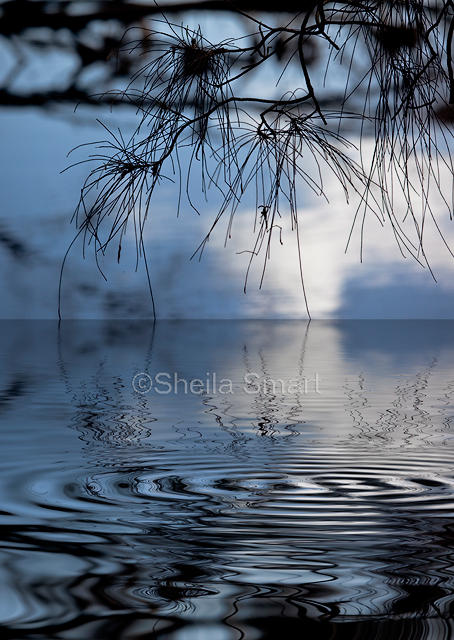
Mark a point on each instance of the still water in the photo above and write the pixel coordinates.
(323, 509)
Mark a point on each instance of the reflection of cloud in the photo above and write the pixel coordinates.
(386, 285)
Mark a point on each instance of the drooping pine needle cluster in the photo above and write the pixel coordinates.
(194, 115)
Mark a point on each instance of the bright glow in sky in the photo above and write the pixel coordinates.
(38, 203)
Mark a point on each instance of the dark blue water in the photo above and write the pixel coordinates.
(272, 509)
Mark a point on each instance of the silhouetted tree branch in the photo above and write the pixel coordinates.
(393, 60)
(92, 34)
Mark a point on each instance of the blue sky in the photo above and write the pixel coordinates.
(38, 202)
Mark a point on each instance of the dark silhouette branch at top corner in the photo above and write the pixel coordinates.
(92, 33)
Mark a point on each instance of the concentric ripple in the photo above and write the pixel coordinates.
(220, 517)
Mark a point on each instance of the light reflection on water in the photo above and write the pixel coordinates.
(226, 516)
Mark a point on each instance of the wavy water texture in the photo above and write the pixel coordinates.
(296, 512)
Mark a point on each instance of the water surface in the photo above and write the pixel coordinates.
(302, 512)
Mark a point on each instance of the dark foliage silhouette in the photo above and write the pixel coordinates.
(197, 123)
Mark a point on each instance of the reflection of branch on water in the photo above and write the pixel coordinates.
(447, 401)
(356, 405)
(295, 537)
(267, 406)
(403, 418)
(102, 412)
